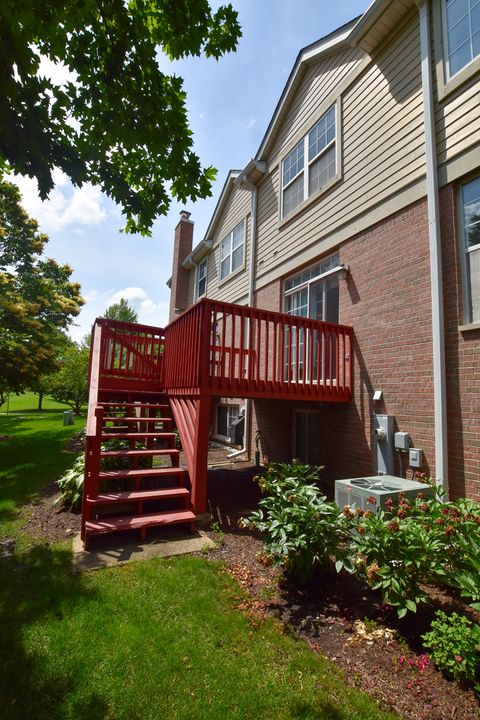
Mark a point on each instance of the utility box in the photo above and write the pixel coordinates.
(402, 441)
(357, 491)
(415, 458)
(383, 444)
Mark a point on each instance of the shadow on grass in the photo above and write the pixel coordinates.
(39, 588)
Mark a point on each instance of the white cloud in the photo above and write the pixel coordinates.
(72, 206)
(252, 121)
(149, 312)
(97, 301)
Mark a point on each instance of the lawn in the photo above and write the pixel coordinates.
(32, 456)
(154, 639)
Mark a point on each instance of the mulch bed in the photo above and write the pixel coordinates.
(384, 658)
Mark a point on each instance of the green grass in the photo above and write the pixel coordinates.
(28, 403)
(32, 457)
(154, 639)
(151, 640)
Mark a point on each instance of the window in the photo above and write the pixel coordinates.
(311, 163)
(470, 209)
(462, 25)
(231, 251)
(201, 278)
(313, 293)
(226, 416)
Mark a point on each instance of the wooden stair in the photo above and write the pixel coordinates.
(133, 476)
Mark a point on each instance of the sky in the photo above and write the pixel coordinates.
(230, 103)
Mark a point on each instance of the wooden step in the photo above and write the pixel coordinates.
(140, 406)
(140, 473)
(134, 495)
(139, 419)
(138, 522)
(140, 453)
(138, 435)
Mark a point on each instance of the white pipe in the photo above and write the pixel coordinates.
(438, 336)
(251, 298)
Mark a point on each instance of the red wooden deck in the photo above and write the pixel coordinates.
(141, 376)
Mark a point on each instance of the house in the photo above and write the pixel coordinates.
(335, 295)
(361, 208)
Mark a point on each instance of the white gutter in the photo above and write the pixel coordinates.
(251, 295)
(438, 332)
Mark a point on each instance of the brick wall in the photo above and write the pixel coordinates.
(462, 352)
(386, 299)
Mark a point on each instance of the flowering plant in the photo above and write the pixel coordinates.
(455, 646)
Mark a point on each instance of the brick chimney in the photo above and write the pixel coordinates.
(182, 246)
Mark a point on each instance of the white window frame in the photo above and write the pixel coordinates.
(448, 74)
(199, 277)
(447, 83)
(465, 252)
(229, 239)
(307, 162)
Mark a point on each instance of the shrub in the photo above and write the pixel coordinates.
(417, 542)
(454, 643)
(303, 530)
(71, 485)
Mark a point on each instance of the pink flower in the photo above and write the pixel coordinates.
(458, 658)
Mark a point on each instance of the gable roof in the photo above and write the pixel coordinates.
(203, 247)
(309, 55)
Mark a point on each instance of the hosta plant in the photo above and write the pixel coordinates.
(302, 530)
(71, 485)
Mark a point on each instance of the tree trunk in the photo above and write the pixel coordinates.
(40, 400)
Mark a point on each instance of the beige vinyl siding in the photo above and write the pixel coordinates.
(458, 122)
(233, 288)
(382, 153)
(319, 82)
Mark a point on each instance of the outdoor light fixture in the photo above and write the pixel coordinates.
(343, 272)
(378, 394)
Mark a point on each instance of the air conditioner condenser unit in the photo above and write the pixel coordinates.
(357, 491)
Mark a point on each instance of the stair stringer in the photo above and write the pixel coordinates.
(192, 417)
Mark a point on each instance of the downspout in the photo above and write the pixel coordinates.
(438, 332)
(251, 299)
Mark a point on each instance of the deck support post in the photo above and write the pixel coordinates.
(198, 476)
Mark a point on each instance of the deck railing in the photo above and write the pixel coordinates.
(131, 351)
(218, 348)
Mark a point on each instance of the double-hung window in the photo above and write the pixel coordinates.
(311, 163)
(462, 28)
(201, 278)
(232, 250)
(470, 209)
